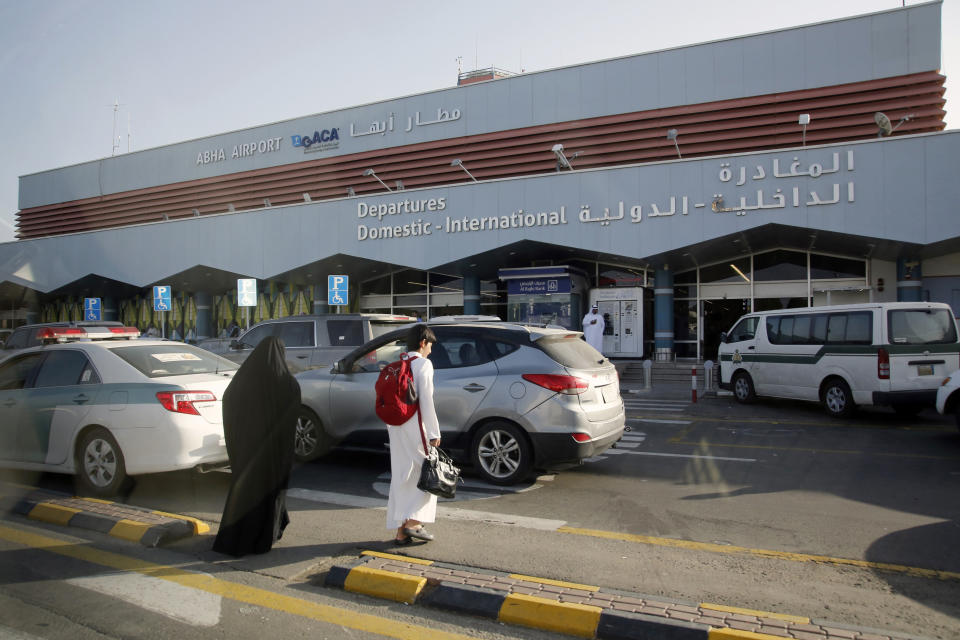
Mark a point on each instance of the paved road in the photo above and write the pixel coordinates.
(772, 507)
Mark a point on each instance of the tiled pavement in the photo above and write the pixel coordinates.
(576, 609)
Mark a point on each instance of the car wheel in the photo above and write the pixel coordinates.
(309, 441)
(100, 466)
(837, 399)
(501, 454)
(743, 388)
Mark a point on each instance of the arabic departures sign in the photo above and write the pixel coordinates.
(429, 211)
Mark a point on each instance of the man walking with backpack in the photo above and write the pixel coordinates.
(408, 507)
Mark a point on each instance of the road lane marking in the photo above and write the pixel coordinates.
(232, 591)
(619, 451)
(770, 447)
(821, 424)
(762, 553)
(452, 513)
(169, 599)
(663, 421)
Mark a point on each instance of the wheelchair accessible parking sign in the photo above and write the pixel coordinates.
(337, 290)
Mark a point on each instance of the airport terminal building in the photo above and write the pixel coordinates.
(677, 189)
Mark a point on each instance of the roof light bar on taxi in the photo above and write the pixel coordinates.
(66, 334)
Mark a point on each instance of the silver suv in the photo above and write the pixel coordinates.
(311, 342)
(510, 398)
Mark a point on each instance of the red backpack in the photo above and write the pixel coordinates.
(396, 397)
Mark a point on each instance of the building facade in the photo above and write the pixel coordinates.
(677, 188)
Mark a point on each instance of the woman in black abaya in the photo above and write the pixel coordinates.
(259, 419)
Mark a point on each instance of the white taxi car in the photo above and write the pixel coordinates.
(96, 403)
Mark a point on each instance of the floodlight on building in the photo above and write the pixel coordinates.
(803, 121)
(399, 184)
(740, 273)
(306, 197)
(673, 134)
(266, 202)
(884, 125)
(196, 213)
(351, 192)
(230, 207)
(459, 163)
(371, 172)
(562, 162)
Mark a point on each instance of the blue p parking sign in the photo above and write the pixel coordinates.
(162, 296)
(337, 287)
(91, 309)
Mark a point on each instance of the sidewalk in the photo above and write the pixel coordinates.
(581, 610)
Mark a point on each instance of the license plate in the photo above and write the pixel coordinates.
(924, 369)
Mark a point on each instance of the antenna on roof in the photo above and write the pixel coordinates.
(115, 140)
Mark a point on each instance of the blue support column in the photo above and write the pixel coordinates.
(909, 280)
(663, 314)
(108, 307)
(204, 302)
(471, 295)
(320, 299)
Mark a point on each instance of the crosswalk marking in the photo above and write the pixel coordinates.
(186, 604)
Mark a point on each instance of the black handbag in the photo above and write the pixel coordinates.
(438, 473)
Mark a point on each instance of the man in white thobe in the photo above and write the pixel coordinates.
(593, 326)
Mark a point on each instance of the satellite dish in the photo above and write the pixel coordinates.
(883, 122)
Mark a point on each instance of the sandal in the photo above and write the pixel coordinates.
(419, 533)
(402, 542)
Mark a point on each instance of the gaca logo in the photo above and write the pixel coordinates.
(320, 140)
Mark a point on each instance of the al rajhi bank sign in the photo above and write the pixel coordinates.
(765, 188)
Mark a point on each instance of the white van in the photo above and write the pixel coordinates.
(891, 353)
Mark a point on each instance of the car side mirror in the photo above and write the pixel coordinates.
(236, 344)
(337, 367)
(723, 337)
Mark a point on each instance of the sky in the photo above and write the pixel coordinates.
(185, 69)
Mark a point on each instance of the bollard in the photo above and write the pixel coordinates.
(708, 377)
(693, 374)
(647, 375)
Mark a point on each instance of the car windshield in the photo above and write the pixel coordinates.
(173, 359)
(922, 326)
(570, 351)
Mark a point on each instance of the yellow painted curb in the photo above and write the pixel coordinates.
(52, 513)
(199, 526)
(97, 500)
(736, 634)
(556, 583)
(384, 584)
(391, 556)
(129, 530)
(540, 613)
(752, 612)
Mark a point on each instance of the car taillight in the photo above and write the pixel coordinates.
(182, 401)
(883, 364)
(570, 385)
(581, 437)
